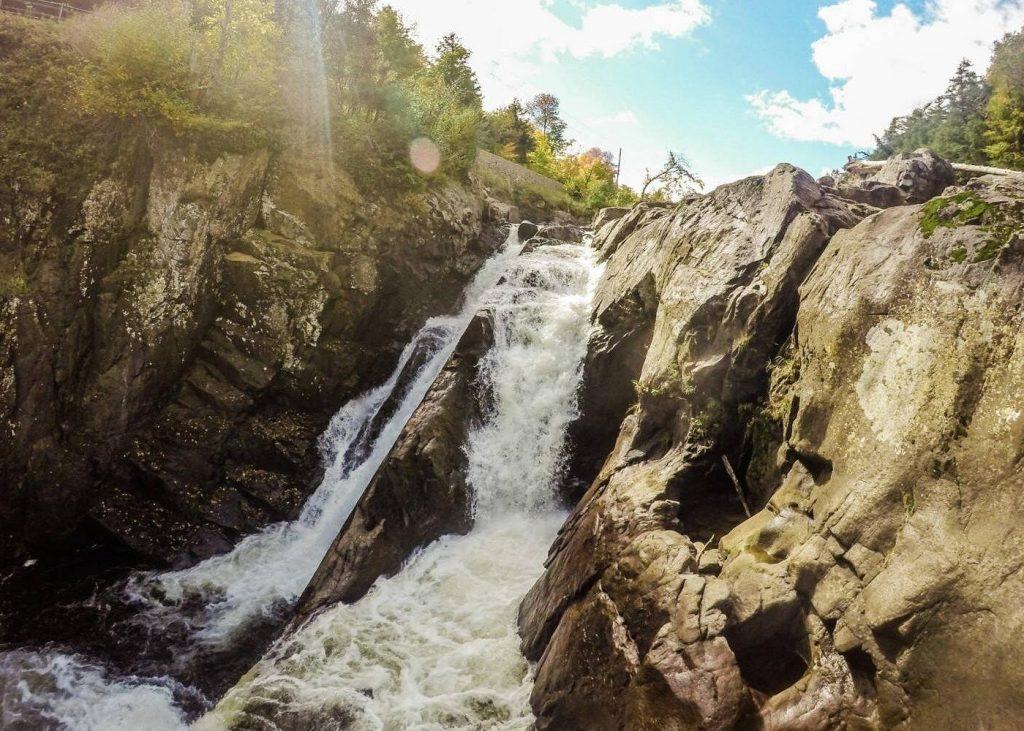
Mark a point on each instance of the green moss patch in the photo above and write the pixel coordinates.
(990, 249)
(12, 286)
(1000, 223)
(962, 209)
(959, 255)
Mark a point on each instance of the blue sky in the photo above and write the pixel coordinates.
(735, 85)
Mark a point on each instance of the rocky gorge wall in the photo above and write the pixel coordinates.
(174, 340)
(802, 438)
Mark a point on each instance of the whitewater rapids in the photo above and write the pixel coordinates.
(436, 646)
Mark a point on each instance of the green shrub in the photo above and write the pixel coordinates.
(12, 286)
(47, 146)
(189, 73)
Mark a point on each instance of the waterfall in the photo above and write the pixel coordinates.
(436, 646)
(190, 614)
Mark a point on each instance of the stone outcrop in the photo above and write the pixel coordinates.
(173, 342)
(909, 177)
(419, 493)
(862, 380)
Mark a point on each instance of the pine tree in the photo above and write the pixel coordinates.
(966, 94)
(452, 65)
(1005, 124)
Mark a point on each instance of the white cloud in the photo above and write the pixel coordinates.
(509, 39)
(608, 30)
(624, 118)
(881, 66)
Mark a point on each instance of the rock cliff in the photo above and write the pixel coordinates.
(803, 442)
(174, 339)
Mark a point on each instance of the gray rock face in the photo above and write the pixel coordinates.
(909, 177)
(180, 336)
(864, 381)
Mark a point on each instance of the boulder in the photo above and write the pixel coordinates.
(418, 494)
(502, 212)
(537, 242)
(906, 178)
(919, 176)
(527, 230)
(608, 215)
(562, 232)
(872, 193)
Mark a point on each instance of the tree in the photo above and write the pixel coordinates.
(508, 133)
(543, 158)
(1005, 123)
(452, 65)
(673, 179)
(959, 134)
(400, 56)
(545, 111)
(952, 125)
(966, 94)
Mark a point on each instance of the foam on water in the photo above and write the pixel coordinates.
(264, 572)
(436, 646)
(275, 565)
(43, 690)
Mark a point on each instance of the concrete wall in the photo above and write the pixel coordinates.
(515, 176)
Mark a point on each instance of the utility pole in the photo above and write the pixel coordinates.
(618, 169)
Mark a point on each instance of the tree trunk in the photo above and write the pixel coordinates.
(222, 50)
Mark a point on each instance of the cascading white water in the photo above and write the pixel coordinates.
(263, 571)
(436, 646)
(276, 565)
(50, 690)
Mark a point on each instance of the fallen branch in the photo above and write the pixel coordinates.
(959, 167)
(736, 484)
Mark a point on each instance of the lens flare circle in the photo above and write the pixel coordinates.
(425, 155)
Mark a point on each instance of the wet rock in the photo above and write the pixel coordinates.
(527, 230)
(537, 242)
(418, 494)
(562, 232)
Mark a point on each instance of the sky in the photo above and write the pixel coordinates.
(736, 86)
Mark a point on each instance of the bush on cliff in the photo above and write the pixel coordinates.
(197, 71)
(47, 148)
(219, 75)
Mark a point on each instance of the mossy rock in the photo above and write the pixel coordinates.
(999, 222)
(962, 209)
